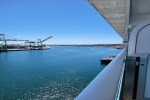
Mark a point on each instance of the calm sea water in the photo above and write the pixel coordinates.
(59, 73)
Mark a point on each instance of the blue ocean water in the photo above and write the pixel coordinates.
(59, 73)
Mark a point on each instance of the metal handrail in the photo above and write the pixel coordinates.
(105, 85)
(120, 83)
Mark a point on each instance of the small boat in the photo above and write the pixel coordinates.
(119, 47)
(108, 59)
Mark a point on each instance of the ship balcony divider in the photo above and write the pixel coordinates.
(107, 84)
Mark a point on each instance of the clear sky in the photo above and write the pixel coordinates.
(68, 21)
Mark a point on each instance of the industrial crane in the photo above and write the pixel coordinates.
(3, 45)
(2, 38)
(32, 44)
(38, 44)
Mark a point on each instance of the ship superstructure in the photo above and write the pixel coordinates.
(127, 77)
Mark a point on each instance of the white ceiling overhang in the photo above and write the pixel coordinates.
(114, 12)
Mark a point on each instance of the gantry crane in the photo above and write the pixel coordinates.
(37, 44)
(32, 44)
(3, 45)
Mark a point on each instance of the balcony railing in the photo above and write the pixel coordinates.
(107, 85)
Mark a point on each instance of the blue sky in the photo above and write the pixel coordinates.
(69, 21)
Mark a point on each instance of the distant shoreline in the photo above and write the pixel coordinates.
(97, 45)
(14, 47)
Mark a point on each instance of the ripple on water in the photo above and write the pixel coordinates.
(52, 91)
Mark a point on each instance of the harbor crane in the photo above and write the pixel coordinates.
(33, 45)
(37, 44)
(3, 38)
(3, 45)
